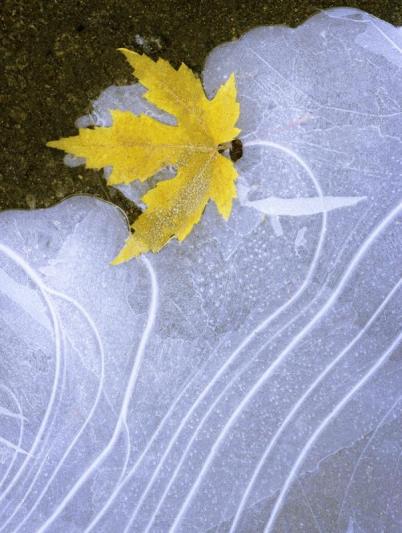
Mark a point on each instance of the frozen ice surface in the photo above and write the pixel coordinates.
(249, 378)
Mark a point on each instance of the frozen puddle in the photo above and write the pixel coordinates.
(248, 379)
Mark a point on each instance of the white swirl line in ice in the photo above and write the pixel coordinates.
(302, 399)
(361, 455)
(262, 380)
(12, 446)
(77, 436)
(122, 419)
(327, 420)
(21, 432)
(158, 430)
(43, 453)
(7, 412)
(17, 259)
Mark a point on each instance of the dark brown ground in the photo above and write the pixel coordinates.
(58, 55)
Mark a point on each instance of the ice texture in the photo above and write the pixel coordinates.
(249, 378)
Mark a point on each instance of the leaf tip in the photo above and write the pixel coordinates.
(53, 144)
(116, 261)
(125, 51)
(121, 257)
(133, 247)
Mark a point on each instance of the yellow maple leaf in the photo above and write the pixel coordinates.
(137, 147)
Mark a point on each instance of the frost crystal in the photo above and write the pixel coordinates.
(249, 378)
